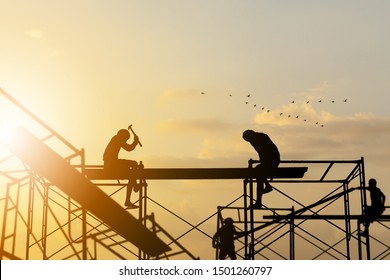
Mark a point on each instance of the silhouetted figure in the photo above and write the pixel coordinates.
(113, 164)
(377, 207)
(224, 239)
(269, 161)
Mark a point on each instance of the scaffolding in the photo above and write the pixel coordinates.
(41, 221)
(273, 232)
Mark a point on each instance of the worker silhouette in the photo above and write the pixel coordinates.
(224, 239)
(113, 164)
(269, 161)
(377, 207)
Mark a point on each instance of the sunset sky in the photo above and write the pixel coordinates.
(181, 73)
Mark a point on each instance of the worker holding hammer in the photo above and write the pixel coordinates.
(112, 163)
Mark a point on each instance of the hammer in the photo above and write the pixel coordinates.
(131, 129)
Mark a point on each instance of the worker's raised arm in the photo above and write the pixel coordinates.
(130, 147)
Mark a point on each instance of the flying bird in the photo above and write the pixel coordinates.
(300, 117)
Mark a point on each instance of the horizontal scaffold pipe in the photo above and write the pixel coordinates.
(295, 214)
(330, 217)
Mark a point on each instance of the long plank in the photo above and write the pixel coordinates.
(98, 173)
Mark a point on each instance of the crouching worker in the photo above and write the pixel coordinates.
(269, 161)
(112, 163)
(224, 239)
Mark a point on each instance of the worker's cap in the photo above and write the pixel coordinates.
(248, 134)
(123, 134)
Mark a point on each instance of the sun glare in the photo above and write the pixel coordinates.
(10, 119)
(6, 131)
(6, 134)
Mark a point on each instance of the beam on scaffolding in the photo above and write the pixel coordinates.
(98, 173)
(48, 164)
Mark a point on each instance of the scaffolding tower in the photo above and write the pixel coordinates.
(336, 212)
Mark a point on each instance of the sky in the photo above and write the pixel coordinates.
(191, 76)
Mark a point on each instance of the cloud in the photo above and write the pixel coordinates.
(323, 90)
(342, 137)
(315, 92)
(304, 114)
(292, 114)
(194, 126)
(220, 144)
(55, 53)
(35, 33)
(176, 95)
(38, 34)
(226, 149)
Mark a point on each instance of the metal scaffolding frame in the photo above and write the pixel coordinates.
(148, 219)
(39, 221)
(31, 205)
(287, 224)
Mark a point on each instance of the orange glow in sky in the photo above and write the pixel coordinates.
(191, 76)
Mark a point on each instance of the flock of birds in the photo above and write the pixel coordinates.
(282, 114)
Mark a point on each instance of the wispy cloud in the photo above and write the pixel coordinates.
(360, 135)
(194, 126)
(343, 137)
(296, 114)
(35, 33)
(39, 35)
(177, 95)
(321, 90)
